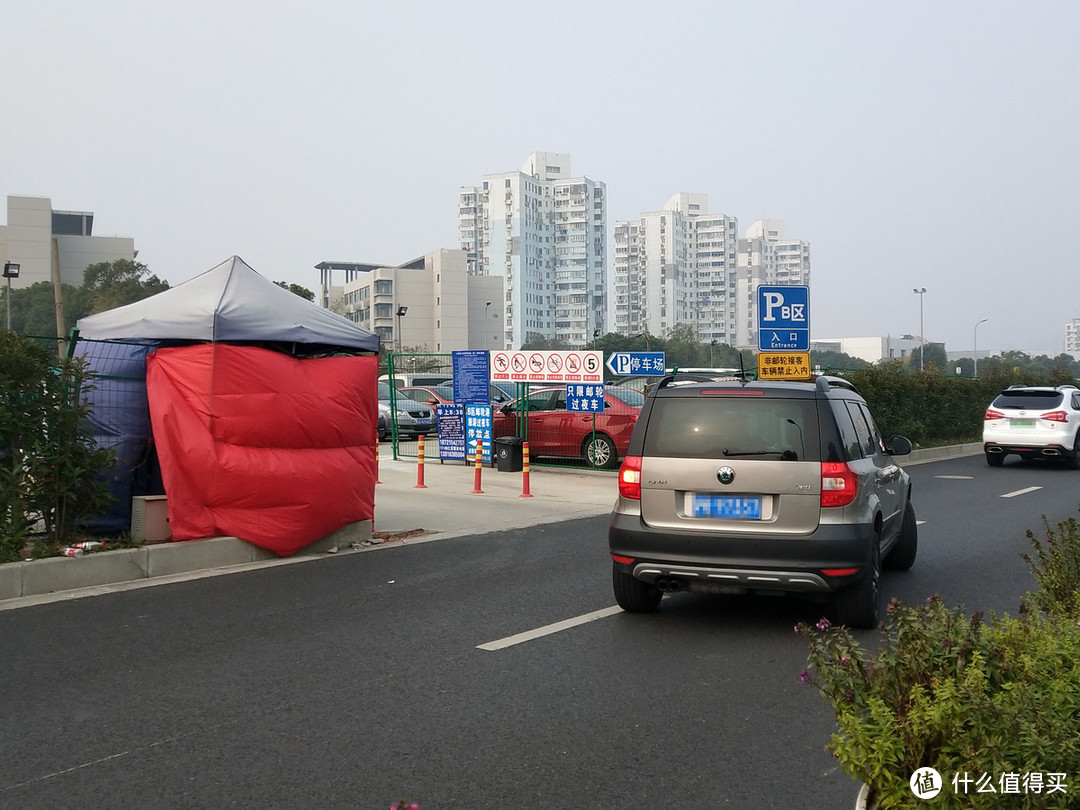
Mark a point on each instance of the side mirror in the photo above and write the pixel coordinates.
(899, 446)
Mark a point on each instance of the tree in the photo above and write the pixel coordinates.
(833, 362)
(296, 289)
(108, 285)
(540, 343)
(33, 309)
(932, 354)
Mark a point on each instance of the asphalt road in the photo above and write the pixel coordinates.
(403, 673)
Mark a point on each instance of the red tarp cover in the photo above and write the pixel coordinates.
(262, 446)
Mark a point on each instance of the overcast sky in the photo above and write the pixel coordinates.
(912, 144)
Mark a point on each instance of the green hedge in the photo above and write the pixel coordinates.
(930, 408)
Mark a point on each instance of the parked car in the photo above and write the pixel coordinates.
(1033, 422)
(429, 394)
(500, 392)
(733, 487)
(554, 431)
(413, 418)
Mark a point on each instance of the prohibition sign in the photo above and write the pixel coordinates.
(501, 361)
(518, 362)
(573, 364)
(536, 362)
(554, 363)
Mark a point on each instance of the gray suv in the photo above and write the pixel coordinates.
(735, 487)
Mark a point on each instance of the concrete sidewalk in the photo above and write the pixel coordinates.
(445, 507)
(404, 513)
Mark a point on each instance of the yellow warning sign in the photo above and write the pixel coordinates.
(783, 366)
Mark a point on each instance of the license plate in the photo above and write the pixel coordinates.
(423, 421)
(738, 507)
(1021, 423)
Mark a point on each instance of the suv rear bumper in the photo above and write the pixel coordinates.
(1050, 451)
(741, 562)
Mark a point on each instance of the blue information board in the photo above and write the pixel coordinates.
(471, 378)
(451, 432)
(783, 318)
(478, 426)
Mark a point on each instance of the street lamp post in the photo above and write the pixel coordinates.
(400, 314)
(11, 270)
(975, 350)
(921, 291)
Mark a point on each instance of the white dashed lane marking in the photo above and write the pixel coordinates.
(547, 630)
(1020, 492)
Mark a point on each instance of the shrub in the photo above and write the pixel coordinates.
(1056, 568)
(50, 467)
(971, 697)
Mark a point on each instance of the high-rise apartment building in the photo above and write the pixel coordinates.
(544, 232)
(1072, 336)
(766, 256)
(674, 266)
(684, 265)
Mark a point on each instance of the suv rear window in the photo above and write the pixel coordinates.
(1028, 400)
(729, 426)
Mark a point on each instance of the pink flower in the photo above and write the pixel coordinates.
(823, 624)
(804, 677)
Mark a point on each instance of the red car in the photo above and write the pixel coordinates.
(552, 430)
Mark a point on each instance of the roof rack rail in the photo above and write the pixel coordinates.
(824, 382)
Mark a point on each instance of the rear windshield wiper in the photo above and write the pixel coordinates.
(784, 455)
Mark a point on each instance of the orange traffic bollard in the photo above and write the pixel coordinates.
(420, 466)
(479, 463)
(525, 471)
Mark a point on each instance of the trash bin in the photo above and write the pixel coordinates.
(509, 454)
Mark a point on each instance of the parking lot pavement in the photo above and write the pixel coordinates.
(448, 507)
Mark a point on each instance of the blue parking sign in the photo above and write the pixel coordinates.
(783, 318)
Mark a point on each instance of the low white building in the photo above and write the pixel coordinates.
(36, 236)
(444, 309)
(870, 349)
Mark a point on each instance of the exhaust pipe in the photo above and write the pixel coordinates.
(667, 585)
(1051, 451)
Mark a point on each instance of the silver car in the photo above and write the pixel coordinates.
(783, 487)
(410, 419)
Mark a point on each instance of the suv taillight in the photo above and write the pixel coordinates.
(992, 414)
(838, 484)
(630, 478)
(1055, 416)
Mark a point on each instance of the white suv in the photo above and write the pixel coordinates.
(1033, 422)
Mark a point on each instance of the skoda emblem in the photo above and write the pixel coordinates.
(725, 475)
